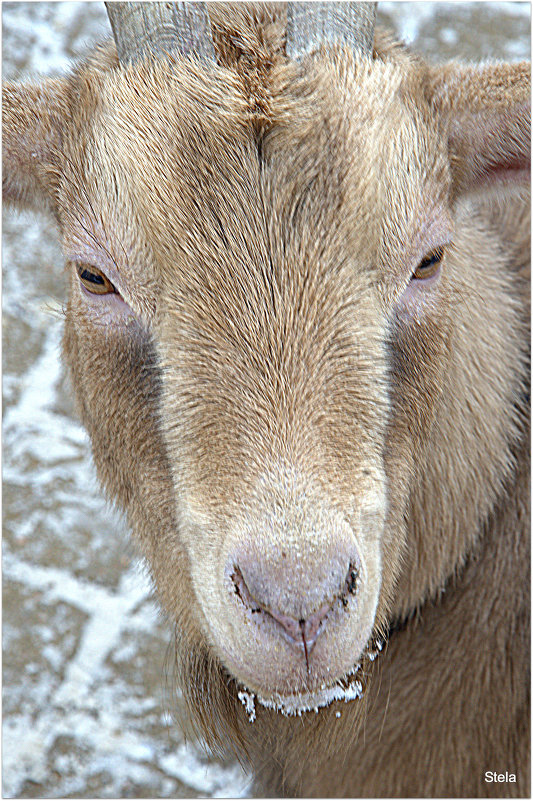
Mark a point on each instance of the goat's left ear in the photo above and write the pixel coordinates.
(488, 111)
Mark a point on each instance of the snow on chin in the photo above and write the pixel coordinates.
(347, 689)
(290, 705)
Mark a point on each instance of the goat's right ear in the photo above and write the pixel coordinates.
(487, 110)
(33, 118)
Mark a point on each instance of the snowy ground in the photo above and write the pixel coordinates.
(86, 652)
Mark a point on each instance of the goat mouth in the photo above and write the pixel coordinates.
(348, 688)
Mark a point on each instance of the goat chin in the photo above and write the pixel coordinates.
(348, 687)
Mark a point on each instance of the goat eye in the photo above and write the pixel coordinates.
(429, 265)
(94, 280)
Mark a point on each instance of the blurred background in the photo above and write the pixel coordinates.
(86, 654)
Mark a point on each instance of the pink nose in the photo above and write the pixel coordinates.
(303, 628)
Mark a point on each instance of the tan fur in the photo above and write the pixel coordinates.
(277, 392)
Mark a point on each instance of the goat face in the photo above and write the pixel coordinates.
(265, 319)
(265, 269)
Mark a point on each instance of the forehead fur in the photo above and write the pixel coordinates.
(200, 153)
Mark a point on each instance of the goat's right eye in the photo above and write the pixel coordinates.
(94, 280)
(429, 266)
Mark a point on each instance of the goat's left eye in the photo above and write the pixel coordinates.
(94, 280)
(429, 266)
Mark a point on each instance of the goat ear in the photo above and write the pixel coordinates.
(33, 118)
(488, 109)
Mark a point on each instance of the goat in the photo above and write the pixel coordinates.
(297, 332)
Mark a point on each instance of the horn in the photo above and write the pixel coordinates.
(310, 25)
(155, 27)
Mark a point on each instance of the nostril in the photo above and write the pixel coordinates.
(242, 592)
(352, 579)
(351, 583)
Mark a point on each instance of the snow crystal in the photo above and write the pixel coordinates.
(248, 699)
(378, 645)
